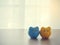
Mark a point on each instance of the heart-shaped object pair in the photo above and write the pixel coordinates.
(44, 32)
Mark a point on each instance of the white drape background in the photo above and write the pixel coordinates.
(42, 13)
(12, 14)
(25, 13)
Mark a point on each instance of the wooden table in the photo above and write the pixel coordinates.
(20, 37)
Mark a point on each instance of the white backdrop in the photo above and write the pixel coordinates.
(25, 13)
(12, 14)
(42, 13)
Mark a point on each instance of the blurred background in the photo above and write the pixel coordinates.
(20, 14)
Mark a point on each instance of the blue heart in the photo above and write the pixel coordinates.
(33, 32)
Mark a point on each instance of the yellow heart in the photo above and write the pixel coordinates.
(45, 32)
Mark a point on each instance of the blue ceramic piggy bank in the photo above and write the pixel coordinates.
(33, 32)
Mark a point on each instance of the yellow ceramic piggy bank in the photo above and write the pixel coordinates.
(45, 32)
